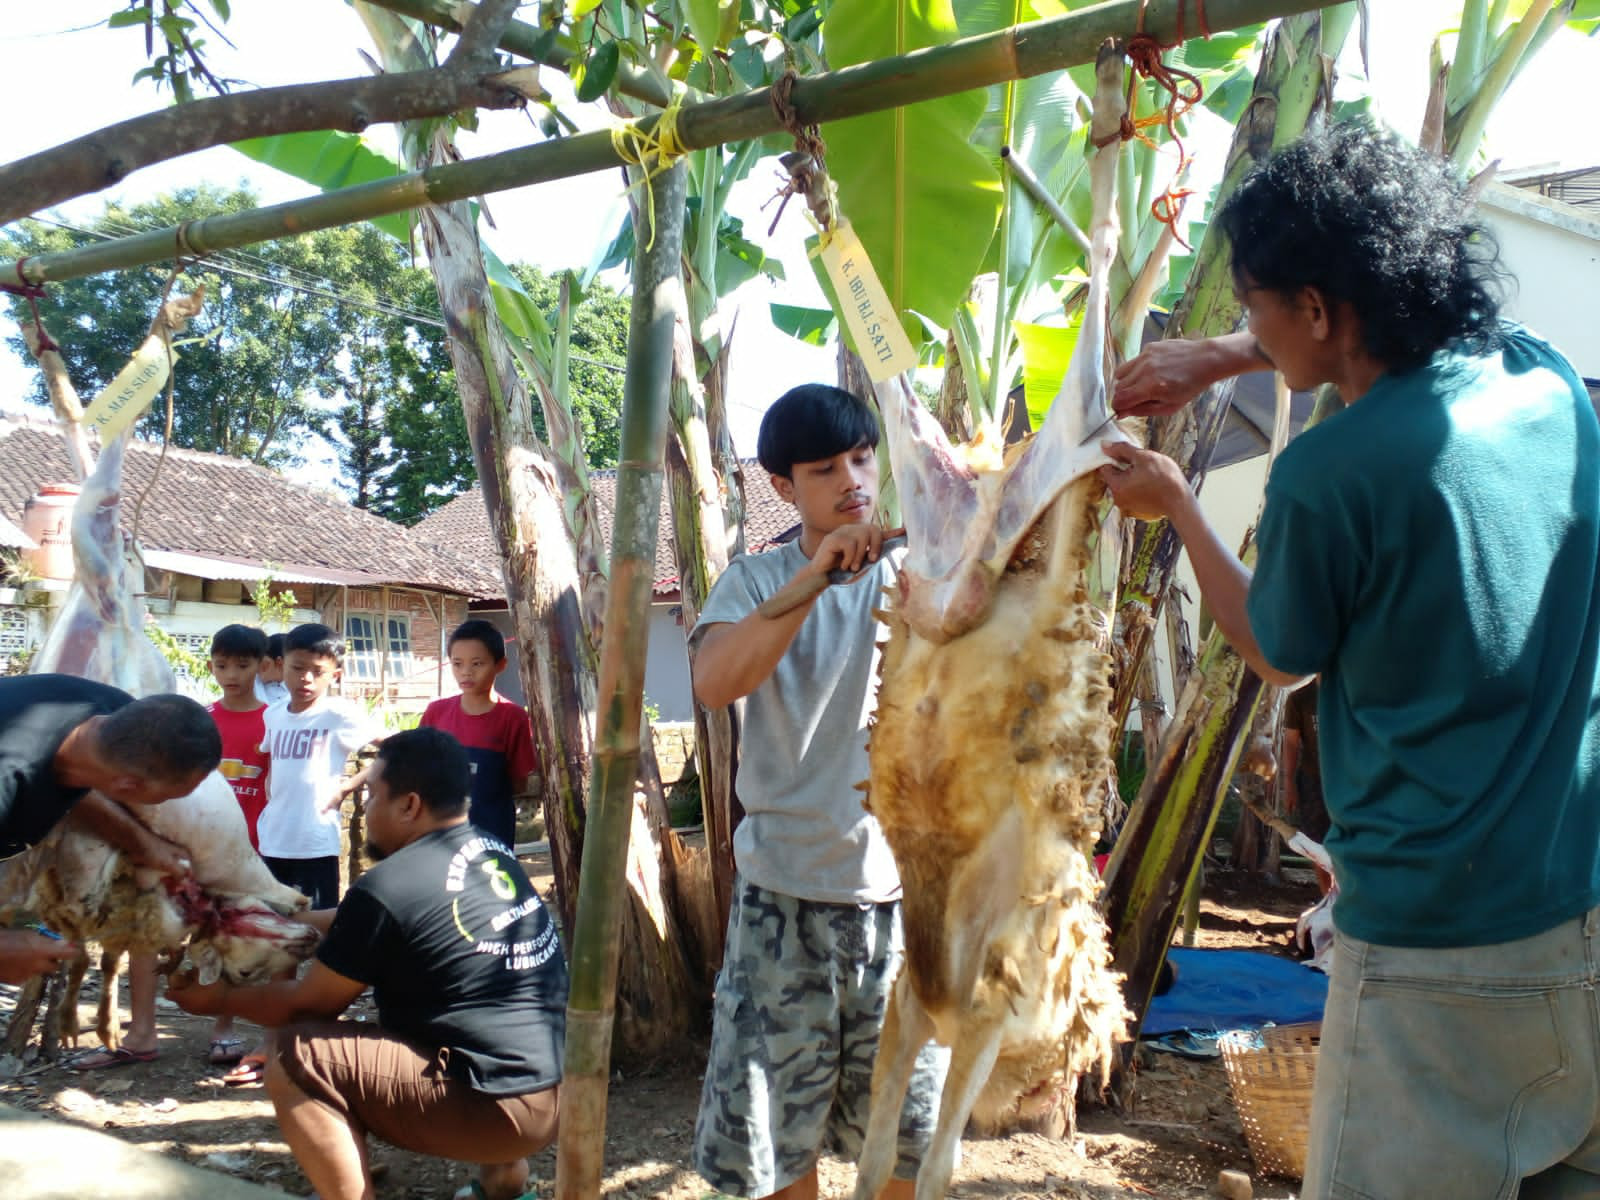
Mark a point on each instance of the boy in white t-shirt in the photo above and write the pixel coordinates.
(308, 740)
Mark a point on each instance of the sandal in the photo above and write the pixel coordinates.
(474, 1191)
(103, 1058)
(250, 1071)
(226, 1050)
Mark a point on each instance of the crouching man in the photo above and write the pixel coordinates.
(469, 980)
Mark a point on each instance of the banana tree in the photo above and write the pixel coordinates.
(522, 488)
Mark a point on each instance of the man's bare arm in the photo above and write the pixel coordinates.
(117, 827)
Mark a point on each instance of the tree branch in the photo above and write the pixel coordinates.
(482, 31)
(107, 156)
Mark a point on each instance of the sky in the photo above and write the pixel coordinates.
(66, 75)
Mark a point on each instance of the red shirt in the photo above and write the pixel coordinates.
(243, 765)
(499, 744)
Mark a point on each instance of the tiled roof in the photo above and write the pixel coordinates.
(463, 524)
(229, 508)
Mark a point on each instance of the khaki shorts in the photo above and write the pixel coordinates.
(1468, 1073)
(391, 1089)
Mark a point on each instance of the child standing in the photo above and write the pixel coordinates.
(308, 740)
(237, 652)
(814, 939)
(494, 731)
(269, 675)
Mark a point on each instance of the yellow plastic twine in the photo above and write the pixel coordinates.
(654, 150)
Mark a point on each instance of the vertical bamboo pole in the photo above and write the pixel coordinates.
(657, 305)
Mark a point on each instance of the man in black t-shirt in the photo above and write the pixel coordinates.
(70, 745)
(470, 983)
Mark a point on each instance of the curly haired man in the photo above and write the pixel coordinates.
(1431, 553)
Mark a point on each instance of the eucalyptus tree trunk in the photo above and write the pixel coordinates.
(524, 497)
(599, 938)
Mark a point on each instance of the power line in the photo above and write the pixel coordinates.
(304, 282)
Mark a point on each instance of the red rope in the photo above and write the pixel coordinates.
(1183, 90)
(32, 293)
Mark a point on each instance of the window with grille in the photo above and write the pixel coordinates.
(361, 646)
(13, 633)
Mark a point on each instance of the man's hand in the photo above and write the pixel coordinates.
(851, 548)
(188, 993)
(24, 954)
(155, 853)
(1145, 484)
(1167, 374)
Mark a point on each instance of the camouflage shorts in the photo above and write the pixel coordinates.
(799, 1005)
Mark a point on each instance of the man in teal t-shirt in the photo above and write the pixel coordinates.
(1432, 553)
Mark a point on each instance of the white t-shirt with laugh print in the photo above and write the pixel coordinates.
(308, 752)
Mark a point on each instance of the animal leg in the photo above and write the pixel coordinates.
(20, 1029)
(906, 1029)
(105, 1020)
(971, 1060)
(71, 988)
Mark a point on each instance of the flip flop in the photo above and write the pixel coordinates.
(250, 1071)
(226, 1050)
(474, 1191)
(103, 1058)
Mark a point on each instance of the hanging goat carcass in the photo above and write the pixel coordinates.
(991, 748)
(230, 917)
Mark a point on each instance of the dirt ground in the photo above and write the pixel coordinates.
(1179, 1131)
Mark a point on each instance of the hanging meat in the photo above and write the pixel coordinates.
(990, 755)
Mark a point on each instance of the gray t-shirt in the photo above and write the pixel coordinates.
(804, 744)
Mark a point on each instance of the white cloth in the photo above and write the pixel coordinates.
(276, 692)
(804, 744)
(308, 752)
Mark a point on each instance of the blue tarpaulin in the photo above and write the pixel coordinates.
(1235, 989)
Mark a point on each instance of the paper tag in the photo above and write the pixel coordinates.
(127, 396)
(864, 305)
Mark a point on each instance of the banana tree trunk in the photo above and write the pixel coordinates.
(1170, 823)
(1161, 844)
(597, 941)
(1293, 84)
(524, 496)
(700, 542)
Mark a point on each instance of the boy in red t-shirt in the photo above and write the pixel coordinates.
(493, 730)
(236, 654)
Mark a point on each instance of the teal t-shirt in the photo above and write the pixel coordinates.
(1433, 553)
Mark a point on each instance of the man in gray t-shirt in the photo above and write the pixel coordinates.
(814, 934)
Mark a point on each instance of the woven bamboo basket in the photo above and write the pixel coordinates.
(1271, 1072)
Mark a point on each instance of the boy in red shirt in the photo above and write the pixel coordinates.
(493, 730)
(237, 652)
(236, 655)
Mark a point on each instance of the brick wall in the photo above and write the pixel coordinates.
(674, 748)
(409, 677)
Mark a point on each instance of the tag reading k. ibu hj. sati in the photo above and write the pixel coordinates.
(873, 323)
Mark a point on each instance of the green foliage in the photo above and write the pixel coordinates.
(193, 668)
(599, 352)
(173, 27)
(909, 178)
(272, 608)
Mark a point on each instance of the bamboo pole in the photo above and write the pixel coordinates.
(657, 304)
(1019, 52)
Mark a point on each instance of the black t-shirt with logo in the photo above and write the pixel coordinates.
(37, 712)
(462, 957)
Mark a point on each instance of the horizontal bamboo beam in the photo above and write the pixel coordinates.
(1019, 52)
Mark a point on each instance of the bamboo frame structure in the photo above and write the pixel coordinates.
(1019, 52)
(658, 303)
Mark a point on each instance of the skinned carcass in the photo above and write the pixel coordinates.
(230, 917)
(991, 747)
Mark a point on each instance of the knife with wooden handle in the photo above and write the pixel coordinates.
(805, 589)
